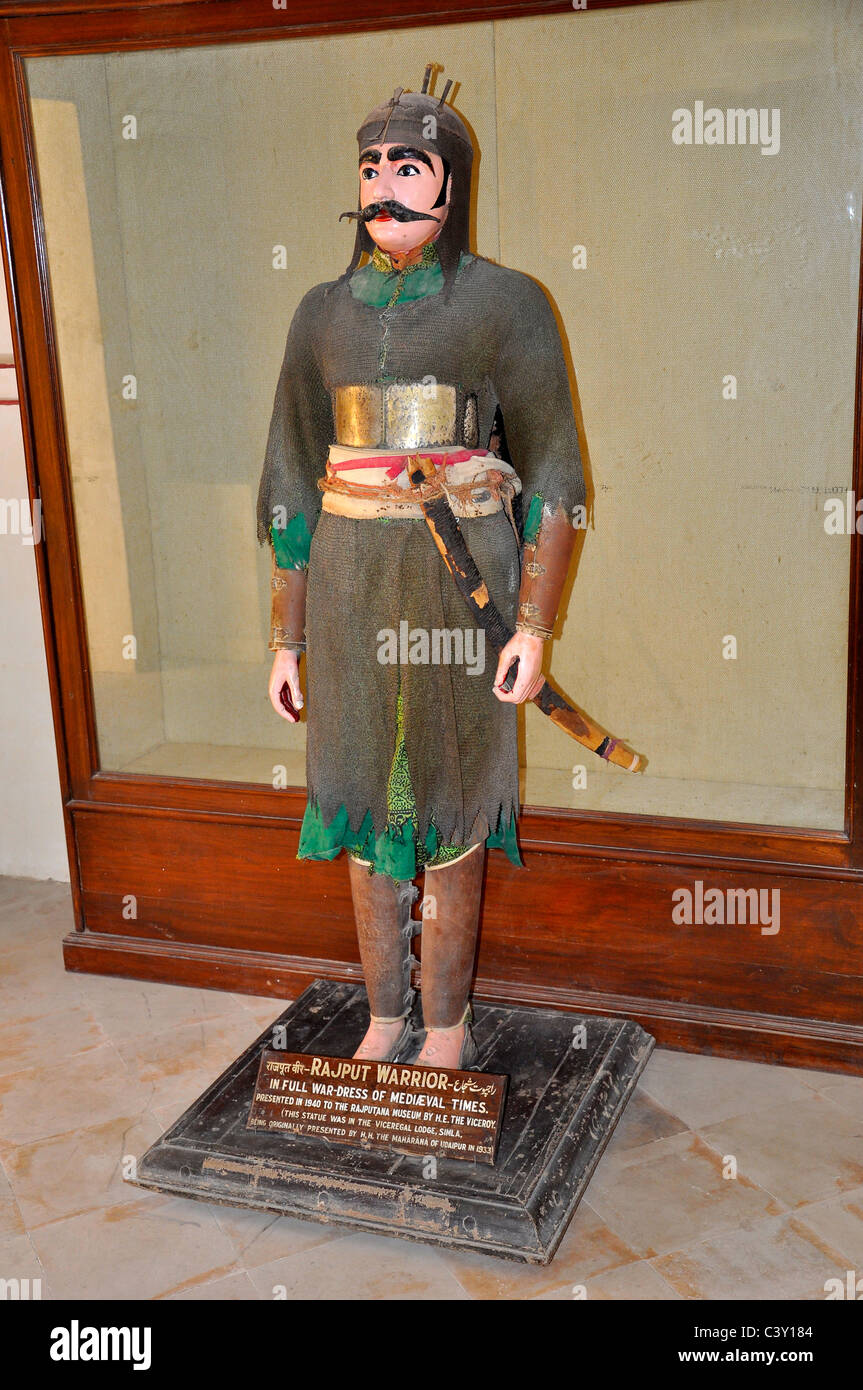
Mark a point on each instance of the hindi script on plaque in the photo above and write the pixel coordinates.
(380, 1105)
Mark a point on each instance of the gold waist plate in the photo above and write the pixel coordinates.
(403, 415)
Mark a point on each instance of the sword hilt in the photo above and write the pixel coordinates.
(510, 678)
(424, 470)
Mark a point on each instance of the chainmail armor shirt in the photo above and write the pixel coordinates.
(494, 336)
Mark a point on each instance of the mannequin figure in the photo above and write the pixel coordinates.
(412, 761)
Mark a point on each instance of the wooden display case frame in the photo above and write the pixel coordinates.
(223, 903)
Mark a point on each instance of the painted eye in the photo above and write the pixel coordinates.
(368, 173)
(407, 170)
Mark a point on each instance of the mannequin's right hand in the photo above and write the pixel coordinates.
(286, 667)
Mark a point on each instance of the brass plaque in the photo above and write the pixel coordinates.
(380, 1105)
(420, 414)
(358, 416)
(403, 415)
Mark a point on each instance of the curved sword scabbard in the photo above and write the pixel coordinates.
(449, 539)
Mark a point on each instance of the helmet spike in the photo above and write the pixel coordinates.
(446, 88)
(393, 103)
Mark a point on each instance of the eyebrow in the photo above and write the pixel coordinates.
(408, 152)
(398, 152)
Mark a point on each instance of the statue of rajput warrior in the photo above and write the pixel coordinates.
(395, 379)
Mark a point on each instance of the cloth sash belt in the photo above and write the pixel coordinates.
(376, 482)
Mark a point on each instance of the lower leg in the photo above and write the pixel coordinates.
(384, 931)
(449, 937)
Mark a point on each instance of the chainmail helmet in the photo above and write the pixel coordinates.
(427, 123)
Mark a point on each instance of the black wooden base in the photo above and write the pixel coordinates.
(571, 1076)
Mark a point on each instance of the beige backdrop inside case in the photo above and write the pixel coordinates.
(172, 179)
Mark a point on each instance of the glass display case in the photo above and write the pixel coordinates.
(684, 180)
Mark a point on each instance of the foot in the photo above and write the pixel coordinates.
(442, 1047)
(379, 1041)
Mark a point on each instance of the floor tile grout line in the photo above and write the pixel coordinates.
(677, 1294)
(759, 1186)
(689, 1249)
(714, 1234)
(797, 1219)
(756, 1109)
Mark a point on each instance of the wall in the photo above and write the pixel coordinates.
(32, 842)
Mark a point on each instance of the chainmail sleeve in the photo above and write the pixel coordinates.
(301, 428)
(531, 383)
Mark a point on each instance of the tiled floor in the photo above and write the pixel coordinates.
(665, 1217)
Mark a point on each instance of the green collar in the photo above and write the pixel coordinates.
(379, 285)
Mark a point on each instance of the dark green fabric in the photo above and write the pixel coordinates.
(395, 852)
(505, 838)
(533, 519)
(291, 543)
(377, 284)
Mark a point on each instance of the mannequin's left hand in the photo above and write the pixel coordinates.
(529, 650)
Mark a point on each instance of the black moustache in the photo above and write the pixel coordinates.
(395, 210)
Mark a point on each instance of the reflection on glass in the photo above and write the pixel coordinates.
(708, 295)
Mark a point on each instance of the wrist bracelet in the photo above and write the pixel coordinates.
(533, 631)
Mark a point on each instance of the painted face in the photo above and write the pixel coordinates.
(413, 180)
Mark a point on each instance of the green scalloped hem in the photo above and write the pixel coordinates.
(397, 852)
